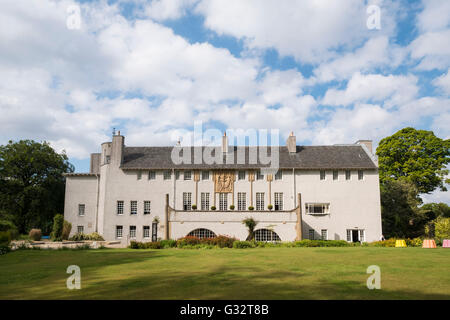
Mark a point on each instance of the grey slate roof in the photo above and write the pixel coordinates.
(306, 157)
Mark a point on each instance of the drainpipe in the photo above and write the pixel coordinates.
(96, 208)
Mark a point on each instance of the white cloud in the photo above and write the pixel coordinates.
(311, 31)
(393, 90)
(443, 82)
(160, 10)
(434, 16)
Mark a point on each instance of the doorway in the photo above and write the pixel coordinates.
(154, 231)
(355, 235)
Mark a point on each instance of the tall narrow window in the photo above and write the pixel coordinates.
(107, 159)
(119, 232)
(132, 231)
(167, 174)
(311, 234)
(322, 174)
(324, 234)
(349, 235)
(241, 175)
(204, 200)
(81, 209)
(260, 201)
(335, 174)
(187, 201)
(147, 207)
(242, 201)
(120, 207)
(151, 175)
(187, 175)
(80, 229)
(348, 174)
(139, 175)
(279, 175)
(133, 207)
(278, 200)
(259, 175)
(360, 174)
(223, 201)
(205, 175)
(362, 237)
(146, 232)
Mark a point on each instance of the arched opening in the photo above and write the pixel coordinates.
(266, 235)
(202, 233)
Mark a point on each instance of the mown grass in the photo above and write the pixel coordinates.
(261, 273)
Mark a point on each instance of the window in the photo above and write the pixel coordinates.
(260, 201)
(146, 231)
(132, 231)
(187, 201)
(324, 234)
(204, 200)
(147, 207)
(259, 175)
(139, 175)
(242, 201)
(119, 232)
(241, 175)
(223, 201)
(80, 229)
(349, 235)
(347, 174)
(133, 207)
(335, 174)
(279, 175)
(81, 208)
(119, 207)
(322, 174)
(202, 233)
(361, 236)
(311, 234)
(360, 174)
(151, 175)
(317, 208)
(266, 235)
(278, 200)
(167, 174)
(177, 175)
(205, 175)
(107, 159)
(187, 175)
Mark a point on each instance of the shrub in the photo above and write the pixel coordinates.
(416, 242)
(232, 207)
(58, 222)
(251, 208)
(6, 225)
(194, 207)
(145, 245)
(35, 234)
(168, 243)
(442, 228)
(67, 227)
(94, 236)
(188, 241)
(250, 223)
(213, 208)
(270, 207)
(219, 241)
(243, 244)
(385, 243)
(323, 243)
(5, 239)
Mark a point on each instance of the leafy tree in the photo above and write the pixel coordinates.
(399, 209)
(434, 210)
(58, 225)
(32, 183)
(417, 155)
(250, 223)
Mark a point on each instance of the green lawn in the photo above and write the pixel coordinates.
(262, 273)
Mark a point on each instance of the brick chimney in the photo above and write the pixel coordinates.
(367, 143)
(291, 143)
(225, 143)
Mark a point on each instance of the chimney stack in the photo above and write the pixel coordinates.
(118, 144)
(291, 143)
(225, 143)
(367, 143)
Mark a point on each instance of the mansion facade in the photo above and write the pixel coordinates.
(139, 193)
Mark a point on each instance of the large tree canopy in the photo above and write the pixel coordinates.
(416, 155)
(32, 183)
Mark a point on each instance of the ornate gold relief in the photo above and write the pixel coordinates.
(224, 181)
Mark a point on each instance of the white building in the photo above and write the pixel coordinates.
(138, 193)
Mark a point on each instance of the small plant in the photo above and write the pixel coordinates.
(194, 207)
(232, 207)
(213, 208)
(168, 243)
(35, 234)
(67, 227)
(251, 208)
(270, 207)
(250, 223)
(243, 244)
(58, 222)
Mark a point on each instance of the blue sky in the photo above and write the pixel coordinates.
(70, 70)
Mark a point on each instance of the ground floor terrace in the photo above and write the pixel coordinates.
(259, 273)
